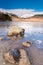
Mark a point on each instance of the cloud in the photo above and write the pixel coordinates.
(22, 12)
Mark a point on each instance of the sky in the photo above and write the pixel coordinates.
(22, 4)
(22, 8)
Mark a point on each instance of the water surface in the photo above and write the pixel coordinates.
(33, 32)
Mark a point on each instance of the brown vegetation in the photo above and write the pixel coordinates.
(4, 17)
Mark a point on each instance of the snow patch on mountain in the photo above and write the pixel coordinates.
(23, 13)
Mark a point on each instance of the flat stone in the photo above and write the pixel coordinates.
(1, 38)
(27, 44)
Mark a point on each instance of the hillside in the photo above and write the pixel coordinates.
(5, 17)
(35, 18)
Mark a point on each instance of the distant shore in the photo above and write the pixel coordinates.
(28, 20)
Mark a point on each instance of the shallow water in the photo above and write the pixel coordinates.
(33, 32)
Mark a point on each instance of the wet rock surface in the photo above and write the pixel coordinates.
(17, 56)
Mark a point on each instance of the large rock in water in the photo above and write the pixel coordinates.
(17, 56)
(15, 31)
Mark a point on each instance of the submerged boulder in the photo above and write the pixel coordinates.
(1, 38)
(38, 41)
(27, 44)
(4, 38)
(15, 31)
(17, 56)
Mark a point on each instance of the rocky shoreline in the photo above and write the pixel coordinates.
(17, 56)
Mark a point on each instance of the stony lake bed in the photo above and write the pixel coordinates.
(33, 33)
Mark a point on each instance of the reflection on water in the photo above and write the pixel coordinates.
(30, 27)
(32, 32)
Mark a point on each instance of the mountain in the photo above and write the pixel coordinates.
(12, 17)
(7, 16)
(38, 16)
(31, 18)
(27, 15)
